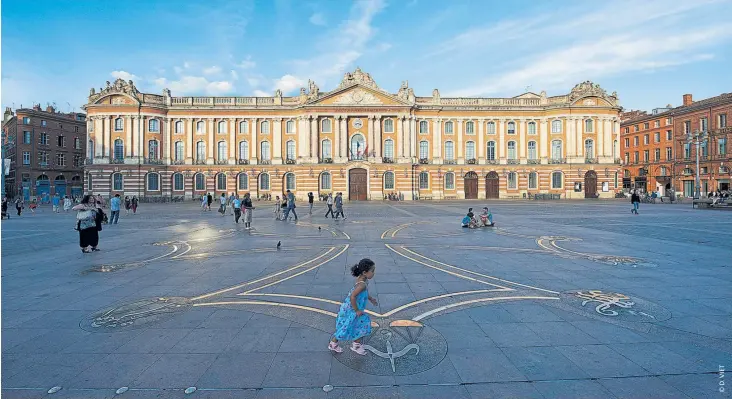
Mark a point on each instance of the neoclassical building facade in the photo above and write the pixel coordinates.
(357, 139)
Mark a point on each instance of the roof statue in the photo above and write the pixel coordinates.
(587, 88)
(357, 77)
(314, 90)
(119, 86)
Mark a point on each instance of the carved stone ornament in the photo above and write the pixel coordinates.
(357, 97)
(357, 77)
(585, 89)
(119, 86)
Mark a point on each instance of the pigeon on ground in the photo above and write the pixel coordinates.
(318, 228)
(279, 244)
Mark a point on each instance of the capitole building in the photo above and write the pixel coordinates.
(357, 139)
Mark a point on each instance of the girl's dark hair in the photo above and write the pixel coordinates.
(363, 266)
(86, 199)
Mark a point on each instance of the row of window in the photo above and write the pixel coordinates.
(646, 139)
(647, 125)
(687, 147)
(325, 181)
(43, 159)
(27, 121)
(703, 124)
(43, 140)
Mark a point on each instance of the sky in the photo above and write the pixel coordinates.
(650, 52)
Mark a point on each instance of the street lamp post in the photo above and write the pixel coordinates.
(697, 138)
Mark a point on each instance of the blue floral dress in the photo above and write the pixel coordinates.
(350, 327)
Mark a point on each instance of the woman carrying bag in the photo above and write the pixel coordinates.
(86, 223)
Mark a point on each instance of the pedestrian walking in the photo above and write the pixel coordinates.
(135, 202)
(5, 213)
(86, 224)
(236, 206)
(100, 201)
(230, 202)
(635, 200)
(33, 205)
(114, 205)
(67, 203)
(329, 203)
(339, 206)
(290, 205)
(204, 201)
(19, 205)
(352, 323)
(222, 205)
(56, 202)
(311, 198)
(209, 200)
(278, 208)
(128, 204)
(248, 211)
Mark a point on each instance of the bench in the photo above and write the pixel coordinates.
(451, 197)
(426, 198)
(699, 202)
(513, 196)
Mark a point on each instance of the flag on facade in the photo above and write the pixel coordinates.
(358, 148)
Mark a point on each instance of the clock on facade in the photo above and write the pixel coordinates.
(357, 123)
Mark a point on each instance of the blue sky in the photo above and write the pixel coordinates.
(650, 52)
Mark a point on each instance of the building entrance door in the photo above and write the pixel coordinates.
(357, 184)
(590, 184)
(471, 185)
(491, 185)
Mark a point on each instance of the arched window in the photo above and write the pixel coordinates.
(325, 126)
(291, 150)
(178, 182)
(90, 147)
(118, 124)
(389, 181)
(532, 149)
(470, 128)
(448, 128)
(221, 153)
(449, 151)
(449, 181)
(200, 127)
(153, 126)
(243, 127)
(200, 182)
(491, 151)
(588, 125)
(179, 151)
(512, 180)
(511, 150)
(388, 126)
(424, 151)
(264, 153)
(358, 146)
(325, 181)
(153, 182)
(532, 127)
(589, 149)
(243, 181)
(424, 127)
(491, 128)
(556, 126)
(222, 127)
(556, 149)
(325, 149)
(389, 148)
(264, 126)
(533, 180)
(290, 127)
(264, 181)
(117, 182)
(511, 127)
(290, 181)
(179, 127)
(243, 150)
(221, 182)
(200, 151)
(470, 150)
(424, 180)
(556, 179)
(119, 149)
(152, 149)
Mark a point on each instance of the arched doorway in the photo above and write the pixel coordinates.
(60, 185)
(491, 185)
(590, 184)
(77, 189)
(43, 188)
(471, 185)
(358, 184)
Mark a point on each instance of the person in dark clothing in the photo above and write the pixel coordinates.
(329, 203)
(248, 209)
(311, 198)
(635, 200)
(88, 224)
(209, 200)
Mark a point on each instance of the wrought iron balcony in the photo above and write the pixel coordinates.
(450, 162)
(243, 161)
(513, 161)
(592, 160)
(153, 161)
(179, 162)
(618, 161)
(555, 161)
(116, 160)
(290, 161)
(471, 161)
(424, 161)
(492, 161)
(265, 162)
(199, 162)
(222, 162)
(88, 161)
(326, 160)
(534, 161)
(387, 160)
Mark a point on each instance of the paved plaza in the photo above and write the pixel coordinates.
(559, 300)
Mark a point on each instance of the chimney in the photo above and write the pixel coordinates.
(687, 99)
(8, 114)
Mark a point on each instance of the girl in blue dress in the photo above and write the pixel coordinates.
(352, 323)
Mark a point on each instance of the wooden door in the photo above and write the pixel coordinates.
(471, 185)
(491, 185)
(357, 184)
(590, 184)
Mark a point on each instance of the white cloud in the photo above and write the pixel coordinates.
(195, 85)
(213, 70)
(124, 75)
(317, 19)
(289, 83)
(261, 93)
(247, 63)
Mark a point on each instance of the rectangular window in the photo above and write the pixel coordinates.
(635, 141)
(325, 181)
(449, 181)
(687, 127)
(491, 128)
(627, 142)
(470, 128)
(118, 124)
(636, 128)
(657, 137)
(61, 141)
(43, 158)
(26, 120)
(669, 153)
(389, 181)
(636, 157)
(532, 180)
(424, 181)
(557, 126)
(449, 151)
(26, 157)
(43, 123)
(77, 143)
(722, 121)
(722, 146)
(389, 126)
(60, 160)
(657, 124)
(645, 139)
(512, 181)
(448, 128)
(423, 150)
(326, 150)
(423, 127)
(645, 126)
(627, 158)
(668, 121)
(668, 135)
(645, 156)
(657, 154)
(556, 180)
(26, 137)
(703, 124)
(290, 127)
(44, 139)
(687, 150)
(532, 128)
(76, 129)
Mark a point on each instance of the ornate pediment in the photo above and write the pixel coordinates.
(118, 87)
(357, 77)
(589, 89)
(357, 97)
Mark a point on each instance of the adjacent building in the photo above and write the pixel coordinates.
(648, 150)
(47, 152)
(357, 139)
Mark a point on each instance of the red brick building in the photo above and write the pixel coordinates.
(48, 152)
(647, 148)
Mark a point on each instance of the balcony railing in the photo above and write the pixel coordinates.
(424, 161)
(199, 162)
(265, 162)
(450, 162)
(513, 161)
(354, 157)
(290, 161)
(222, 161)
(555, 161)
(592, 160)
(534, 161)
(88, 161)
(326, 160)
(618, 161)
(179, 162)
(471, 161)
(387, 160)
(243, 161)
(492, 162)
(153, 161)
(117, 160)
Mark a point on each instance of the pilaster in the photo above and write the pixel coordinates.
(253, 144)
(277, 141)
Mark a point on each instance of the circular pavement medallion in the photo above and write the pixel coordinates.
(616, 306)
(135, 314)
(397, 347)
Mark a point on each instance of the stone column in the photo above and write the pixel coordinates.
(578, 136)
(569, 145)
(167, 140)
(253, 144)
(371, 143)
(378, 139)
(108, 148)
(413, 137)
(336, 146)
(303, 137)
(544, 141)
(522, 144)
(314, 147)
(459, 151)
(501, 140)
(128, 122)
(344, 138)
(399, 151)
(140, 138)
(437, 140)
(480, 154)
(190, 142)
(231, 125)
(211, 142)
(277, 141)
